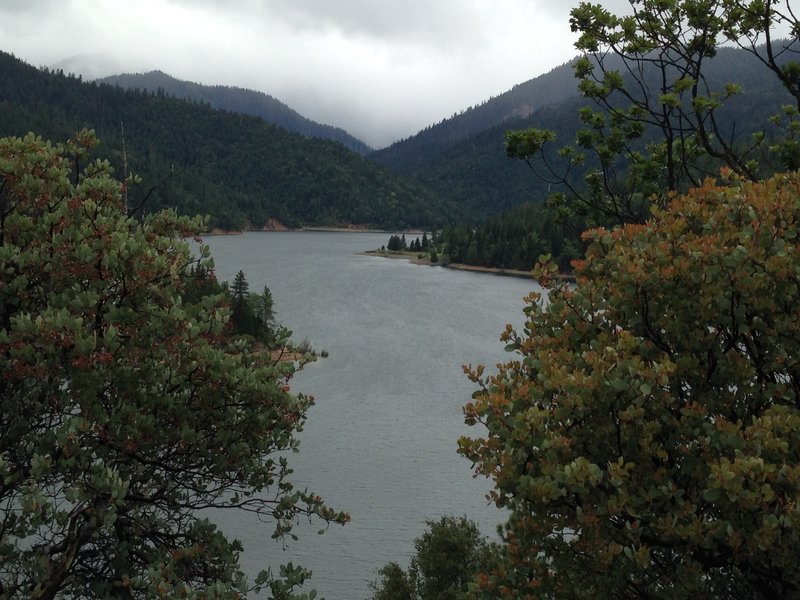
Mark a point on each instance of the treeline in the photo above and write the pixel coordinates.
(397, 243)
(236, 168)
(252, 313)
(513, 240)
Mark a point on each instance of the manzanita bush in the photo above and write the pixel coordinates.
(124, 409)
(646, 439)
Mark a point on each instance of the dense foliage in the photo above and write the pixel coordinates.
(447, 560)
(127, 404)
(198, 160)
(248, 102)
(645, 439)
(513, 240)
(664, 116)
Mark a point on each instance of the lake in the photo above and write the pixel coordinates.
(381, 440)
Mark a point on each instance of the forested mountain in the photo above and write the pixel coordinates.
(235, 99)
(464, 157)
(521, 101)
(513, 240)
(237, 168)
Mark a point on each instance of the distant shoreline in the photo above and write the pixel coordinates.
(412, 258)
(358, 230)
(217, 231)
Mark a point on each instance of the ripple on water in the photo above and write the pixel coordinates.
(380, 442)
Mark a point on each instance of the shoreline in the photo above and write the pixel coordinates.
(313, 229)
(359, 230)
(501, 272)
(412, 258)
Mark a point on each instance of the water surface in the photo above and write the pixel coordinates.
(380, 441)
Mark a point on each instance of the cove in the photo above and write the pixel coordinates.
(380, 442)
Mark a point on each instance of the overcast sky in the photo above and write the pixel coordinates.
(381, 69)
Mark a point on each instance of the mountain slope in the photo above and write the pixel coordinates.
(234, 99)
(464, 157)
(521, 101)
(236, 168)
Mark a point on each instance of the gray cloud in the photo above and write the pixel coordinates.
(382, 69)
(384, 19)
(32, 7)
(421, 20)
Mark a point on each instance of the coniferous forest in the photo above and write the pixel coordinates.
(233, 99)
(238, 169)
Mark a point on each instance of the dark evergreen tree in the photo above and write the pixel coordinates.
(397, 243)
(242, 315)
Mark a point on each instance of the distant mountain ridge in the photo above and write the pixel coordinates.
(519, 102)
(464, 157)
(239, 169)
(242, 169)
(240, 100)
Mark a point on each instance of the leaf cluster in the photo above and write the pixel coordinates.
(448, 557)
(645, 437)
(126, 405)
(662, 119)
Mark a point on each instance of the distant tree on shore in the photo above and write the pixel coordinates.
(252, 313)
(396, 243)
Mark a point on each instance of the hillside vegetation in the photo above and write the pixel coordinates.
(236, 99)
(238, 169)
(521, 101)
(507, 225)
(464, 156)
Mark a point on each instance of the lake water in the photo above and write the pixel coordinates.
(381, 440)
